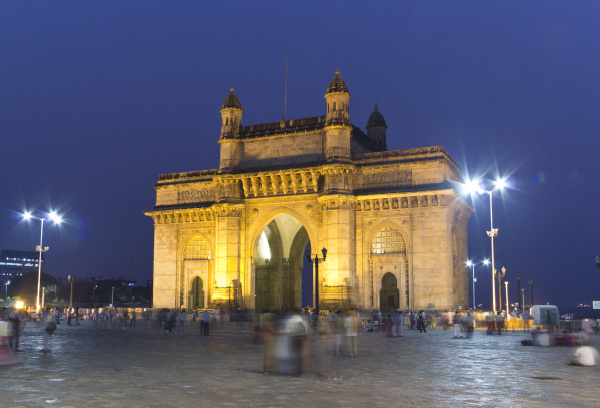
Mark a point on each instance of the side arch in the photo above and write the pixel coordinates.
(196, 275)
(388, 246)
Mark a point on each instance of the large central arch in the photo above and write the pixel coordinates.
(279, 253)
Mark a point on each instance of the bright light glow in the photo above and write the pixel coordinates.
(472, 186)
(501, 183)
(19, 305)
(27, 215)
(486, 261)
(263, 247)
(469, 263)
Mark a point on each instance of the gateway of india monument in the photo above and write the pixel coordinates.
(394, 227)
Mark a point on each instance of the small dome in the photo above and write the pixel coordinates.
(337, 84)
(376, 119)
(232, 101)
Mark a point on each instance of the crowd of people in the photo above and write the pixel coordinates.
(295, 342)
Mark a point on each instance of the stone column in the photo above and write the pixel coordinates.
(338, 237)
(227, 259)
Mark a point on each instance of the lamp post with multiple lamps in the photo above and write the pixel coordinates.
(316, 261)
(57, 220)
(472, 264)
(472, 187)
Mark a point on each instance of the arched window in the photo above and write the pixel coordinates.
(197, 248)
(388, 240)
(226, 121)
(334, 106)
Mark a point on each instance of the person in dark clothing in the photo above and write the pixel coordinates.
(421, 322)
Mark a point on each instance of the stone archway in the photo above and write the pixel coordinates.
(389, 295)
(279, 254)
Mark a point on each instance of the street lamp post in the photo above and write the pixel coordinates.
(316, 261)
(94, 295)
(507, 309)
(493, 232)
(523, 297)
(112, 298)
(500, 276)
(54, 217)
(71, 299)
(472, 264)
(519, 291)
(531, 286)
(43, 296)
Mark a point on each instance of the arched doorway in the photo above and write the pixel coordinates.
(279, 255)
(197, 293)
(389, 295)
(195, 273)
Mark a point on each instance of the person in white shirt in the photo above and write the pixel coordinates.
(585, 356)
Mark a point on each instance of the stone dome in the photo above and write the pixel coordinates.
(337, 84)
(376, 119)
(232, 101)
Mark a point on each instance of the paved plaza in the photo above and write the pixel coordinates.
(146, 367)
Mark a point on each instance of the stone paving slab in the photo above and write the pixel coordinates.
(146, 367)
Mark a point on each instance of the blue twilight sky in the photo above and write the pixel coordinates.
(97, 99)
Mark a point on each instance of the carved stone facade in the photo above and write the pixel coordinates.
(394, 227)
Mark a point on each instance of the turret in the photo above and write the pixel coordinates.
(376, 130)
(337, 125)
(338, 98)
(231, 116)
(231, 123)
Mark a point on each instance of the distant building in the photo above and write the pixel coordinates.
(16, 263)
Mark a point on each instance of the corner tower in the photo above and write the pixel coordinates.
(231, 123)
(337, 127)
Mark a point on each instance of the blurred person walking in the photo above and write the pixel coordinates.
(14, 319)
(399, 324)
(49, 327)
(457, 322)
(470, 324)
(351, 327)
(133, 316)
(205, 323)
(500, 322)
(389, 326)
(268, 335)
(182, 320)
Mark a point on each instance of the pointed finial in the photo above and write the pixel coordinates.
(337, 71)
(231, 88)
(375, 105)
